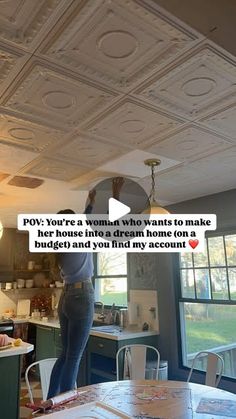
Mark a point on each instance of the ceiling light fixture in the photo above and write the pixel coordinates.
(1, 229)
(154, 207)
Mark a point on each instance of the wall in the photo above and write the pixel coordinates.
(158, 271)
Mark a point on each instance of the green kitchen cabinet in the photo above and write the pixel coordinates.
(101, 356)
(45, 343)
(10, 369)
(48, 345)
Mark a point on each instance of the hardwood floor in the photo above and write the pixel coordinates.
(25, 412)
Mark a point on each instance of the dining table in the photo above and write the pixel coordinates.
(148, 399)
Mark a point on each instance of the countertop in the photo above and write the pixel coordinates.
(24, 348)
(105, 331)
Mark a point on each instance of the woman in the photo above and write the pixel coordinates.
(75, 311)
(76, 308)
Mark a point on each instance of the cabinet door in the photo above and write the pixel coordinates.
(101, 360)
(101, 356)
(7, 250)
(45, 346)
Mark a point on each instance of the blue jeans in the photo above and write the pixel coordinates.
(75, 311)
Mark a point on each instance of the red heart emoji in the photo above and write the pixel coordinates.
(193, 243)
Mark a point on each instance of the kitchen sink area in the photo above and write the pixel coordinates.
(107, 329)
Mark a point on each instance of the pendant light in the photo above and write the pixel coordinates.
(1, 229)
(154, 207)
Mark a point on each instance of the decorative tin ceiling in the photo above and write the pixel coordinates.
(83, 83)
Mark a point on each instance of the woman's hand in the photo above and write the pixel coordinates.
(117, 184)
(91, 196)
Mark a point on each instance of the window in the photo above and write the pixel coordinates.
(111, 278)
(207, 301)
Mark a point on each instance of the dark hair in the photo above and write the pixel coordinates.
(66, 211)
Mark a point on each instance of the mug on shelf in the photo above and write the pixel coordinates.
(20, 283)
(29, 283)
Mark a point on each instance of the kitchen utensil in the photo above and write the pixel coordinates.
(124, 317)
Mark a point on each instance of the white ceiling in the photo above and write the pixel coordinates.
(84, 83)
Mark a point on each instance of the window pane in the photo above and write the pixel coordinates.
(112, 263)
(201, 259)
(203, 283)
(210, 327)
(216, 251)
(219, 284)
(230, 244)
(186, 260)
(232, 283)
(112, 290)
(187, 283)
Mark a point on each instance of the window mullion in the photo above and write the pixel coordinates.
(209, 268)
(227, 271)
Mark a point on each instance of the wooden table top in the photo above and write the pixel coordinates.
(148, 399)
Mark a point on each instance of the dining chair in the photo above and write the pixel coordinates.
(132, 362)
(45, 369)
(214, 367)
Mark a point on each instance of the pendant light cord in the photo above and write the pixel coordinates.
(152, 193)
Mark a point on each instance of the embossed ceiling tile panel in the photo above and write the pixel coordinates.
(219, 164)
(11, 63)
(55, 169)
(223, 121)
(182, 175)
(118, 42)
(132, 124)
(57, 98)
(85, 149)
(21, 21)
(196, 84)
(175, 191)
(13, 159)
(191, 142)
(26, 134)
(90, 179)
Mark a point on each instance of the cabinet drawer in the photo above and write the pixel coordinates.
(102, 346)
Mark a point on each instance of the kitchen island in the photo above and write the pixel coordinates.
(10, 373)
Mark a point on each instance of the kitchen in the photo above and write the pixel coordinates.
(148, 80)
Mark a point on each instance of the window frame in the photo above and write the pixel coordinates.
(180, 319)
(97, 276)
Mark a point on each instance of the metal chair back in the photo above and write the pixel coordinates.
(45, 370)
(214, 369)
(132, 362)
